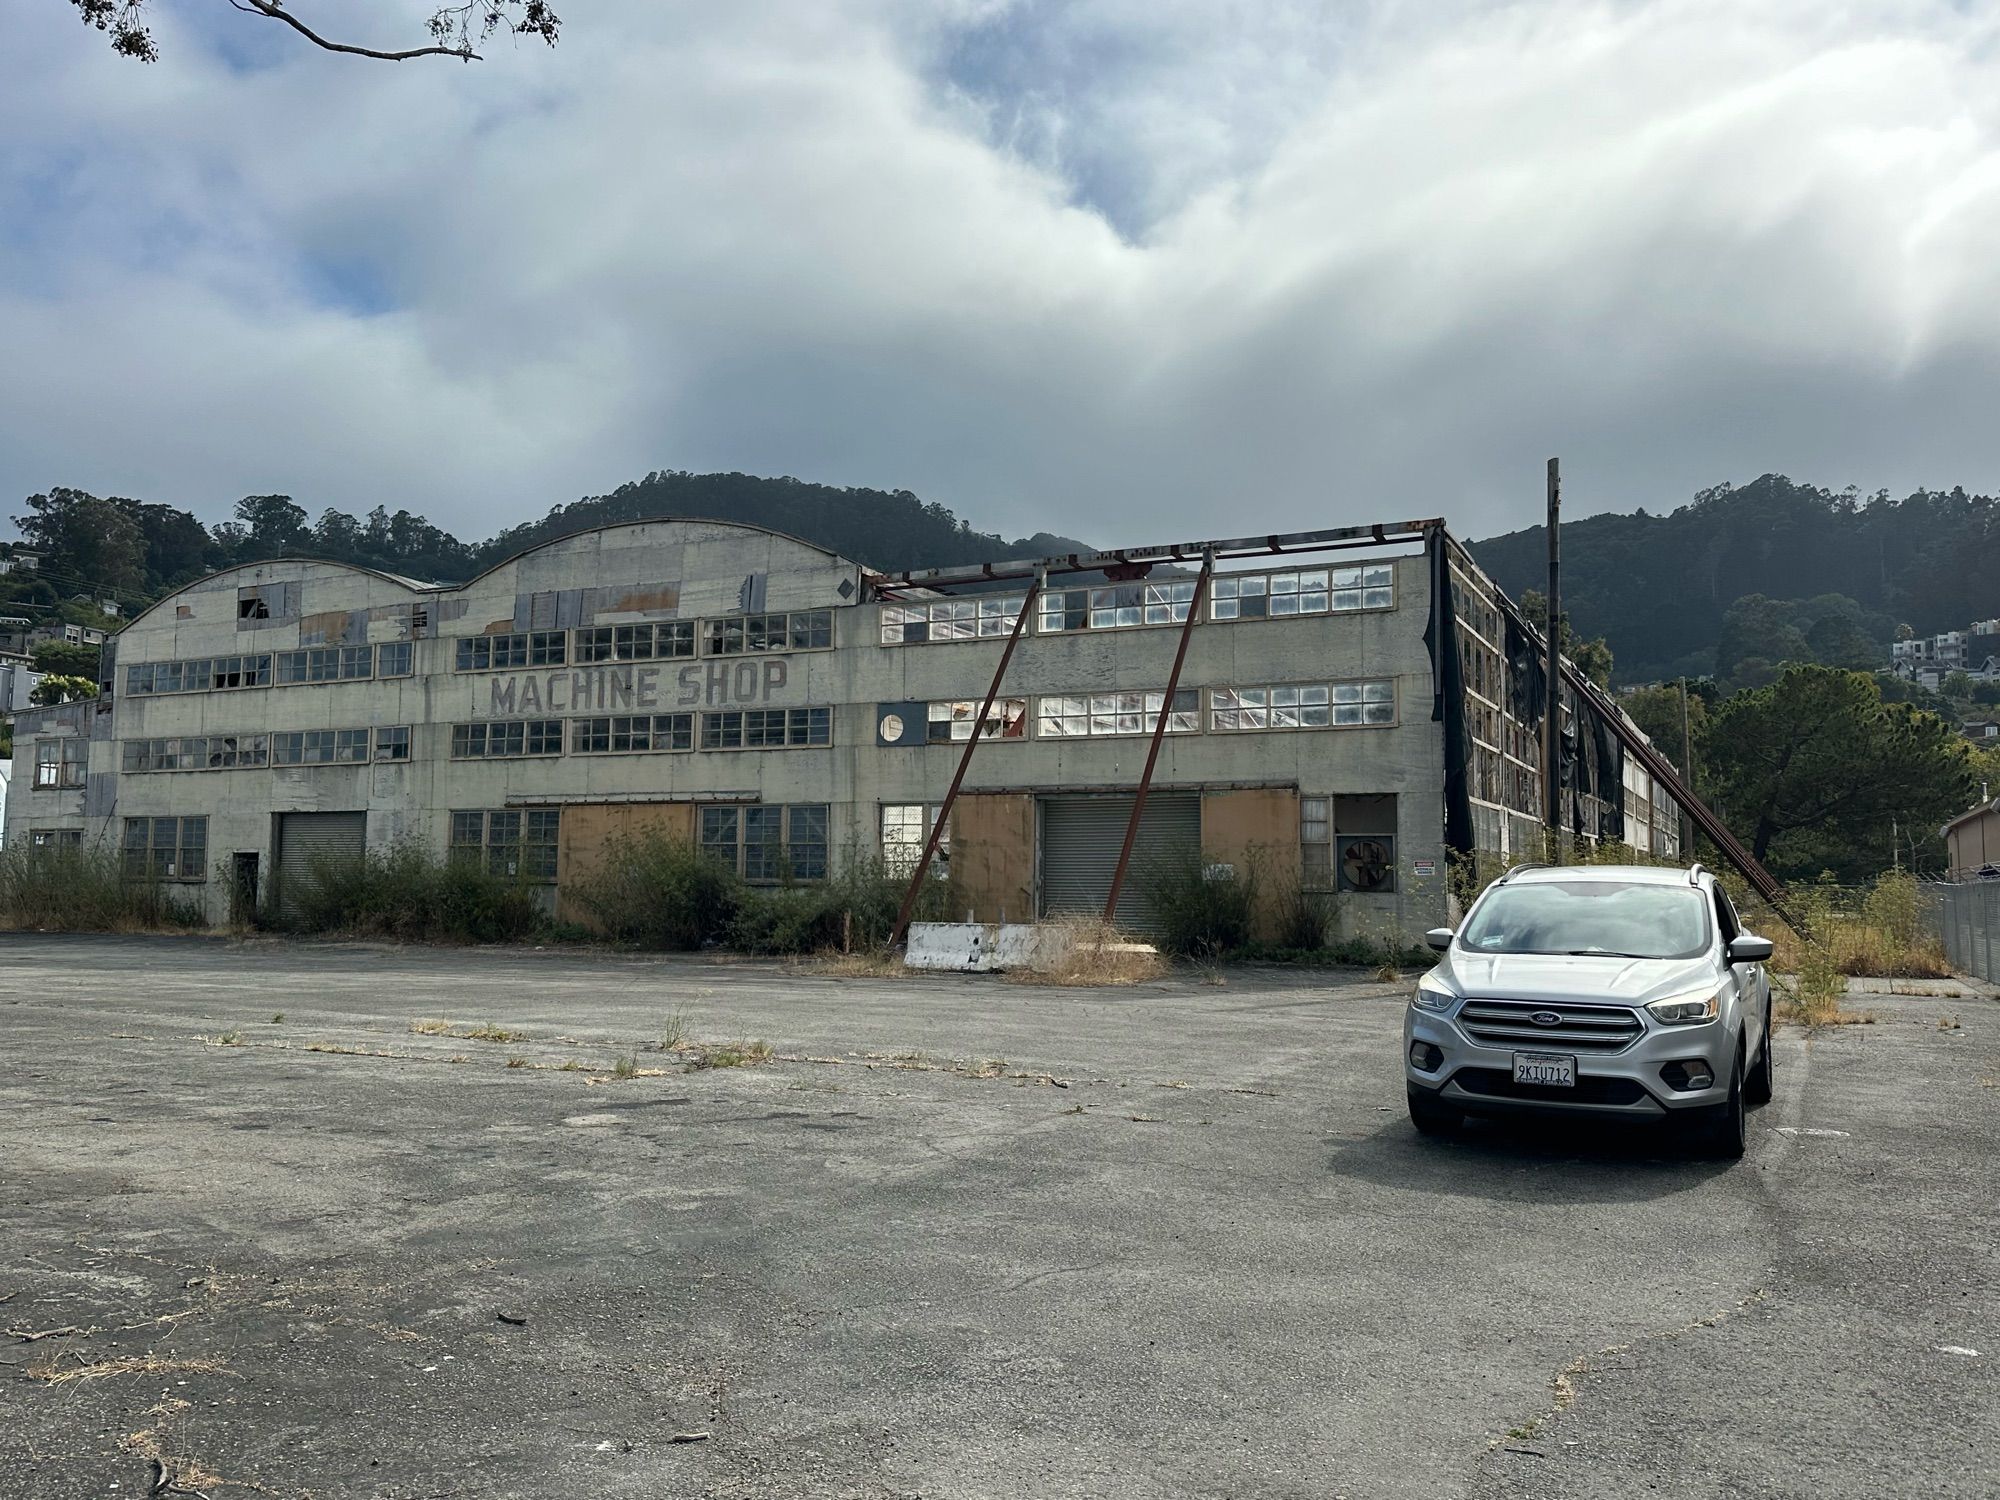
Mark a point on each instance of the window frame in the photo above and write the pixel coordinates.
(67, 769)
(519, 843)
(801, 828)
(149, 865)
(751, 634)
(806, 728)
(475, 739)
(1266, 695)
(598, 734)
(1078, 716)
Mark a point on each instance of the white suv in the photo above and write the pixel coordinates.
(1597, 990)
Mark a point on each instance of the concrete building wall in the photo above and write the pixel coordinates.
(666, 572)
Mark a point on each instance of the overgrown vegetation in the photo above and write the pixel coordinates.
(1208, 919)
(1876, 933)
(1083, 951)
(658, 891)
(407, 893)
(87, 890)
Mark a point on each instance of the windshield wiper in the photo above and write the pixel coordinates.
(1603, 953)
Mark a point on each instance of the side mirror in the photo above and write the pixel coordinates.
(1749, 950)
(1440, 938)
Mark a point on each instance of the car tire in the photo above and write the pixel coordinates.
(1758, 1087)
(1432, 1116)
(1725, 1136)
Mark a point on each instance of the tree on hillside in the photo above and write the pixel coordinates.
(1592, 657)
(1816, 768)
(453, 28)
(1657, 712)
(53, 690)
(87, 542)
(66, 659)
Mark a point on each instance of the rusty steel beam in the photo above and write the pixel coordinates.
(1159, 734)
(1340, 538)
(964, 763)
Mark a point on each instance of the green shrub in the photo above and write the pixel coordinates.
(1200, 917)
(87, 890)
(658, 891)
(853, 910)
(407, 893)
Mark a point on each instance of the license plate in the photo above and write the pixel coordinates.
(1549, 1070)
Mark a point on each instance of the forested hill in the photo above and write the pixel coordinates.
(887, 529)
(132, 551)
(1658, 587)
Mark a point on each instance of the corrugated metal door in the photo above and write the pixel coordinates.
(1081, 837)
(306, 837)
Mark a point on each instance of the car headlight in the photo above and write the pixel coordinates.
(1431, 995)
(1685, 1010)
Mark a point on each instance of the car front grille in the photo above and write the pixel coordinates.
(1578, 1028)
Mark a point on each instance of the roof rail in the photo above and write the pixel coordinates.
(1512, 870)
(1695, 872)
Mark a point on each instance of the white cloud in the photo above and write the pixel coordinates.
(1109, 269)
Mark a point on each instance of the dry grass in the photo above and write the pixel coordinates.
(1093, 954)
(55, 1370)
(1861, 949)
(487, 1033)
(865, 963)
(728, 1054)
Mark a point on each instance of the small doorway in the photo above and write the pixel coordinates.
(243, 889)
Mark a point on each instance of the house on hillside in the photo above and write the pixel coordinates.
(1972, 843)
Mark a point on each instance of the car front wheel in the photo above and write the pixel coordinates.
(1757, 1088)
(1725, 1135)
(1431, 1116)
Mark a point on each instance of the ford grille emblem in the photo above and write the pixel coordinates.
(1545, 1018)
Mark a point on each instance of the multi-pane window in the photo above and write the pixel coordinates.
(199, 675)
(60, 763)
(949, 619)
(1308, 705)
(503, 738)
(768, 842)
(493, 653)
(1086, 714)
(43, 839)
(1117, 606)
(798, 630)
(394, 659)
(196, 752)
(515, 843)
(1316, 841)
(325, 664)
(766, 728)
(392, 742)
(1303, 591)
(635, 732)
(667, 638)
(949, 722)
(166, 848)
(322, 747)
(906, 828)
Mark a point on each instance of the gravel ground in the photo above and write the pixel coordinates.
(954, 1238)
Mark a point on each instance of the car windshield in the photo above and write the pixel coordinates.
(1626, 918)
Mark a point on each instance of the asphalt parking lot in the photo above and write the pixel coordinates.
(955, 1238)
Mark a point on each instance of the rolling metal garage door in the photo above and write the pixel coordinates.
(305, 837)
(1081, 837)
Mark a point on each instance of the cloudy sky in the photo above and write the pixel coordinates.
(1125, 269)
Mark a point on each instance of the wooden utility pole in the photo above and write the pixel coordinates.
(1552, 789)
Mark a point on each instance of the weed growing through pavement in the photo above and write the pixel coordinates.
(627, 1066)
(227, 1039)
(278, 1019)
(730, 1055)
(517, 1062)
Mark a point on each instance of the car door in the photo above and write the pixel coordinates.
(1752, 993)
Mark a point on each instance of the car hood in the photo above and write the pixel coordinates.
(1541, 976)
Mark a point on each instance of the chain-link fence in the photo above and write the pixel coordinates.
(1966, 918)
